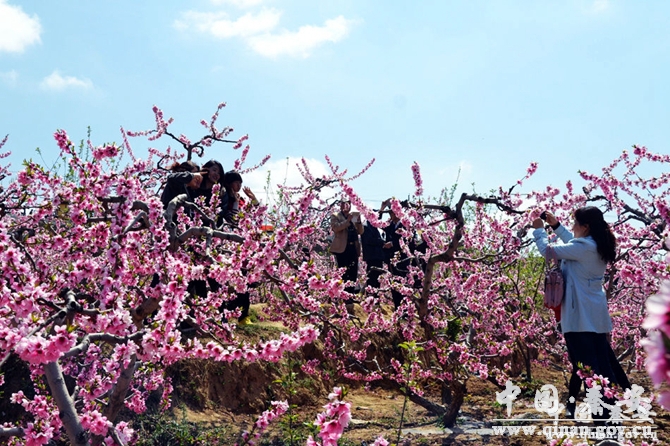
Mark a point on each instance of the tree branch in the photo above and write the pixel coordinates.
(68, 414)
(85, 343)
(12, 432)
(119, 391)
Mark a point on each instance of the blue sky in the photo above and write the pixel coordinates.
(484, 86)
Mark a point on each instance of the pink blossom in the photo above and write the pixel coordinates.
(334, 419)
(658, 310)
(106, 151)
(95, 422)
(380, 441)
(62, 140)
(658, 359)
(418, 182)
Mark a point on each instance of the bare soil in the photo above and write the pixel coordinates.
(377, 411)
(232, 396)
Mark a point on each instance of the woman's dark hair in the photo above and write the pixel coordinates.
(231, 176)
(212, 163)
(186, 166)
(599, 230)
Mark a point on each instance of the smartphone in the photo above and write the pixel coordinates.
(543, 215)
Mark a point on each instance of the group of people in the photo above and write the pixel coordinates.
(584, 254)
(187, 178)
(351, 237)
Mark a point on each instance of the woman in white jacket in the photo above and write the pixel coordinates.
(585, 319)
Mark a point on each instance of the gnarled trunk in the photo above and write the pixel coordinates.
(453, 394)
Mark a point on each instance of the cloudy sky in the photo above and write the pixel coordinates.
(484, 87)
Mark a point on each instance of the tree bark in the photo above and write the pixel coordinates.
(118, 395)
(12, 432)
(426, 404)
(68, 414)
(456, 395)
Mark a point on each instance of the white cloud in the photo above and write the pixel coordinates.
(242, 4)
(9, 77)
(219, 24)
(301, 43)
(284, 172)
(599, 6)
(18, 30)
(56, 82)
(257, 30)
(465, 167)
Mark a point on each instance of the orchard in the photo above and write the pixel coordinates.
(80, 306)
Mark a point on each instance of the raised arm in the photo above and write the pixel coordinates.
(338, 225)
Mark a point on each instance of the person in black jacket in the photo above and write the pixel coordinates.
(395, 258)
(373, 254)
(184, 179)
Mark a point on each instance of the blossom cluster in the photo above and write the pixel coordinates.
(657, 342)
(278, 409)
(333, 420)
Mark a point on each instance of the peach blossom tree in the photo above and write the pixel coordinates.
(81, 305)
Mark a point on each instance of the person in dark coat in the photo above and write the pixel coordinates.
(183, 179)
(373, 254)
(394, 257)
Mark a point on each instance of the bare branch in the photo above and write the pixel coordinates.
(142, 218)
(12, 432)
(104, 337)
(285, 256)
(204, 231)
(182, 201)
(117, 437)
(198, 145)
(18, 236)
(426, 404)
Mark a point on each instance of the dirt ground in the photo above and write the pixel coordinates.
(377, 411)
(235, 396)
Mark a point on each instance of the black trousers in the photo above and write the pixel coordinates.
(349, 260)
(594, 350)
(241, 301)
(399, 269)
(373, 270)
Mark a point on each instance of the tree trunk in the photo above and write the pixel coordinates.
(426, 404)
(452, 397)
(120, 390)
(68, 414)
